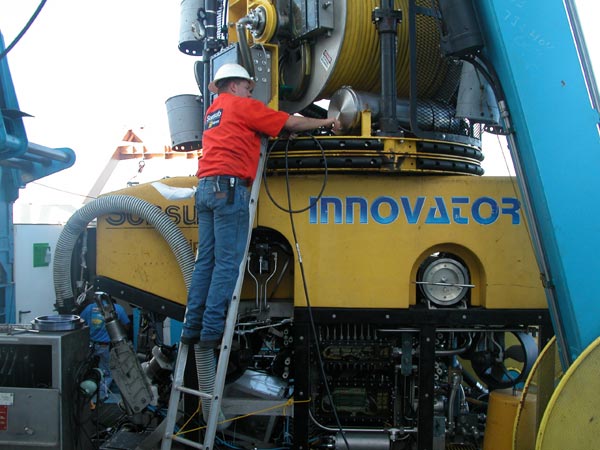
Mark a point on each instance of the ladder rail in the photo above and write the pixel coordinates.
(232, 312)
(174, 398)
(225, 351)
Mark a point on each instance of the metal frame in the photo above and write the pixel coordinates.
(426, 322)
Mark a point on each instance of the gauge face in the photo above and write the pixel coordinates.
(444, 281)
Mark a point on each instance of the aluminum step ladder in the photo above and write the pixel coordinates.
(212, 398)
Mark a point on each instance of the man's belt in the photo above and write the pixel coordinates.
(236, 180)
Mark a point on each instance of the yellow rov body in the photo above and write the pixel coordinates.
(362, 242)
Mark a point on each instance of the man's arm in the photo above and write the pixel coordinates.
(122, 316)
(299, 123)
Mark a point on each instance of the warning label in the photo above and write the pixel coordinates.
(3, 417)
(326, 60)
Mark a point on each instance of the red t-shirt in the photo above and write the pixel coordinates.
(232, 130)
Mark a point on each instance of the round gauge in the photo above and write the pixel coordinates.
(445, 281)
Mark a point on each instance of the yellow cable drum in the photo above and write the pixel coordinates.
(349, 55)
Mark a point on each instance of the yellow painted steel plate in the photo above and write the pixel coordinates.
(538, 389)
(572, 418)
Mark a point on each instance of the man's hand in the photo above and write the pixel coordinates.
(336, 127)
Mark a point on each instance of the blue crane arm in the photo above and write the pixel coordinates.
(555, 145)
(26, 161)
(20, 163)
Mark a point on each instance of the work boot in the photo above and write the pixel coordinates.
(210, 343)
(190, 335)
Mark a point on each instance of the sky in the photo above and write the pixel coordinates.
(88, 72)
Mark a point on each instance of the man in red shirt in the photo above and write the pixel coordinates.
(233, 127)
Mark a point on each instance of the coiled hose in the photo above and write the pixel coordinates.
(65, 301)
(206, 369)
(63, 287)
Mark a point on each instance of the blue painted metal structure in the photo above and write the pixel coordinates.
(556, 149)
(20, 163)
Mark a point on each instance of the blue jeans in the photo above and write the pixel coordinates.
(222, 236)
(103, 352)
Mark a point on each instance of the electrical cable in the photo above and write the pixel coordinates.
(307, 297)
(487, 70)
(62, 190)
(323, 185)
(24, 30)
(81, 401)
(154, 323)
(3, 372)
(224, 29)
(74, 421)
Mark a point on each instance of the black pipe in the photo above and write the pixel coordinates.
(386, 19)
(244, 49)
(210, 10)
(210, 47)
(412, 45)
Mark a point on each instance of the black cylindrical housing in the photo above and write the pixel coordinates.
(462, 33)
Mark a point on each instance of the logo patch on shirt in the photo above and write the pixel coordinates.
(213, 119)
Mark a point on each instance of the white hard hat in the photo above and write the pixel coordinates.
(230, 70)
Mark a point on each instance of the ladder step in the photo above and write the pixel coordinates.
(195, 392)
(187, 442)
